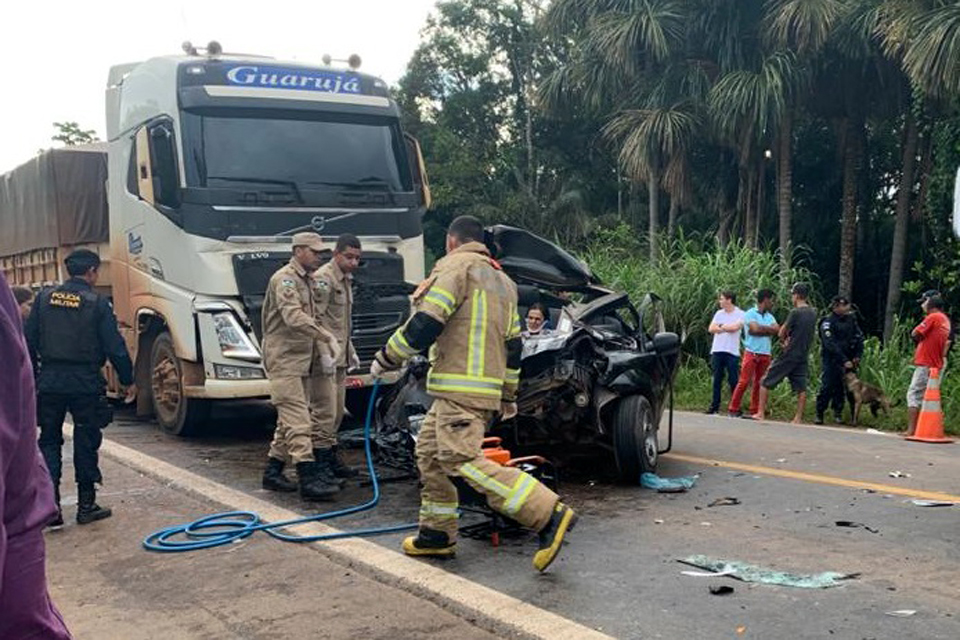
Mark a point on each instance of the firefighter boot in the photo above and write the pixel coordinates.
(429, 542)
(551, 536)
(326, 459)
(87, 508)
(57, 522)
(273, 478)
(340, 468)
(313, 482)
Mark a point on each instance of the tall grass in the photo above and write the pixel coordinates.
(688, 275)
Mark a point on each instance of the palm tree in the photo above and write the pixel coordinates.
(623, 46)
(750, 105)
(924, 36)
(932, 51)
(852, 78)
(802, 26)
(654, 143)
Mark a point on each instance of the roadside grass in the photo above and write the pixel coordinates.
(689, 274)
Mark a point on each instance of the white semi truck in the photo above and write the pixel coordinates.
(212, 163)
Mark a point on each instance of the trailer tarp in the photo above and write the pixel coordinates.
(57, 198)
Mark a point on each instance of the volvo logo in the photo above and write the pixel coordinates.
(318, 223)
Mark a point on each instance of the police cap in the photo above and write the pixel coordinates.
(80, 261)
(308, 239)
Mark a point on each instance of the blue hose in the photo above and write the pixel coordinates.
(231, 526)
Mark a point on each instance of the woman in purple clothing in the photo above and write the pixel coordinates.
(26, 495)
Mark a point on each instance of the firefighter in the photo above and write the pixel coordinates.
(72, 332)
(296, 352)
(335, 281)
(841, 344)
(466, 313)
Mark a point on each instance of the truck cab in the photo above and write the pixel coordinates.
(214, 162)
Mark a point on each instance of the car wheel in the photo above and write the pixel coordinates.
(635, 438)
(176, 414)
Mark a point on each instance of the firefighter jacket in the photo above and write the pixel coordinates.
(840, 338)
(335, 306)
(71, 333)
(293, 340)
(466, 313)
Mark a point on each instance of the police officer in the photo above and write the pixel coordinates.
(841, 343)
(296, 352)
(71, 333)
(466, 313)
(335, 281)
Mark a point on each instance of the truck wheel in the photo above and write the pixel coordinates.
(635, 440)
(177, 414)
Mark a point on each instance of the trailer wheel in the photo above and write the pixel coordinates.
(176, 414)
(635, 438)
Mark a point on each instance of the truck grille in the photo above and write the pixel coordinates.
(381, 296)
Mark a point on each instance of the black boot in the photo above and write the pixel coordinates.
(273, 478)
(331, 458)
(57, 522)
(314, 484)
(325, 460)
(87, 508)
(339, 467)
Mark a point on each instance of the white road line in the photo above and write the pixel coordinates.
(486, 607)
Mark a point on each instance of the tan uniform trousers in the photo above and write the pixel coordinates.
(301, 403)
(450, 445)
(326, 409)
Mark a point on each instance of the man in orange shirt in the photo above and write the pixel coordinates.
(933, 340)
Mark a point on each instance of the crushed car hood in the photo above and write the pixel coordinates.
(528, 258)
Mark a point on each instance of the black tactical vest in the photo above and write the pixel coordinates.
(68, 327)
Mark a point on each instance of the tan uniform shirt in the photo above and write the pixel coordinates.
(335, 306)
(293, 340)
(477, 303)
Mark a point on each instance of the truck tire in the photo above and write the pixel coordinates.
(635, 438)
(176, 414)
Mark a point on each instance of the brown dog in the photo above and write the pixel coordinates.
(861, 393)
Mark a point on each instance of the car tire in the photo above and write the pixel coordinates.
(175, 413)
(635, 438)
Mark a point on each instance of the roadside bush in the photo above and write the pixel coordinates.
(689, 274)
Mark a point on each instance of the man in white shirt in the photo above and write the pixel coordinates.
(725, 352)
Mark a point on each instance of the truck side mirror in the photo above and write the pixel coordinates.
(418, 169)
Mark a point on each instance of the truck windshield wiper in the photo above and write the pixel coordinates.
(365, 183)
(287, 183)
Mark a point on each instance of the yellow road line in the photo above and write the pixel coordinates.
(815, 477)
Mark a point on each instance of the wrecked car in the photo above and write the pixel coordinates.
(596, 385)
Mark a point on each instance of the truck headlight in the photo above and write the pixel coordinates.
(233, 340)
(233, 372)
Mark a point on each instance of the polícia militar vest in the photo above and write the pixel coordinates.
(68, 327)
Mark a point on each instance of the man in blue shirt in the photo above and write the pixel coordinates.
(759, 328)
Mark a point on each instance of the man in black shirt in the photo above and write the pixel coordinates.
(71, 333)
(796, 337)
(841, 343)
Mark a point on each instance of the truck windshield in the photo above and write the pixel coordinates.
(311, 154)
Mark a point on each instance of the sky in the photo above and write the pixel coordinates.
(58, 53)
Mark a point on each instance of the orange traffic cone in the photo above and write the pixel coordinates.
(930, 422)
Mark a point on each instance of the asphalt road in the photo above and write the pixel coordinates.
(620, 572)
